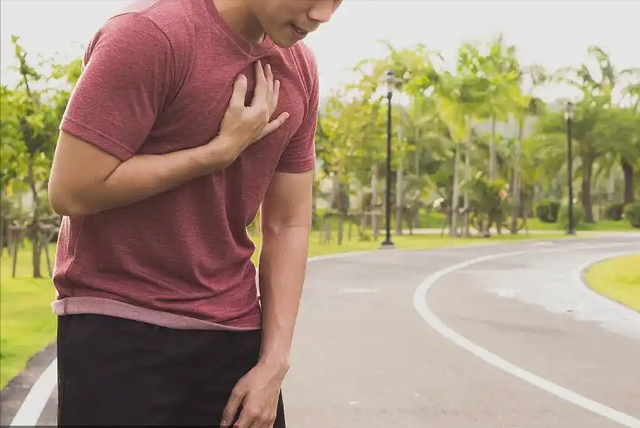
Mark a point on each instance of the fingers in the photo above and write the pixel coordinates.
(260, 94)
(231, 409)
(274, 96)
(239, 92)
(267, 89)
(255, 419)
(269, 78)
(274, 124)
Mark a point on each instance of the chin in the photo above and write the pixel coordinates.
(286, 38)
(285, 42)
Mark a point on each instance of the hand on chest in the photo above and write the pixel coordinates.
(292, 97)
(199, 106)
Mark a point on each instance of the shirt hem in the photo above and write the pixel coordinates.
(108, 307)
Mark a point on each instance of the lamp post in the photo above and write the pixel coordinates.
(389, 80)
(568, 117)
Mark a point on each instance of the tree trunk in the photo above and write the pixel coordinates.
(492, 150)
(375, 223)
(337, 204)
(399, 196)
(467, 178)
(453, 228)
(314, 201)
(587, 175)
(628, 172)
(417, 222)
(515, 215)
(35, 221)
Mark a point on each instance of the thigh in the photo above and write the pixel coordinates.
(115, 372)
(229, 355)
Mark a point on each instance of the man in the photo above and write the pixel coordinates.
(188, 117)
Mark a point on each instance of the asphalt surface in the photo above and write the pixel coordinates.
(365, 357)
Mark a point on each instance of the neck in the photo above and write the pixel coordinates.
(238, 15)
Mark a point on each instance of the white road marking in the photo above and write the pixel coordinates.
(505, 292)
(35, 402)
(359, 290)
(420, 303)
(574, 298)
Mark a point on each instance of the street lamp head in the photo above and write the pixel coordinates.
(568, 114)
(390, 80)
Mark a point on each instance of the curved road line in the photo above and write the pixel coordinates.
(33, 405)
(35, 402)
(420, 303)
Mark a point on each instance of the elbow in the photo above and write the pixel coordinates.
(64, 203)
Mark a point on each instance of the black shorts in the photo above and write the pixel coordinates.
(117, 372)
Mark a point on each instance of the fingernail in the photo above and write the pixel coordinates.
(241, 77)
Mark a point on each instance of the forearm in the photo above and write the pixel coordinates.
(144, 176)
(282, 271)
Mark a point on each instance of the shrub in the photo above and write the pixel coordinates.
(632, 214)
(613, 211)
(547, 211)
(578, 216)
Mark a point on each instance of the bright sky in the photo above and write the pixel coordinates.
(550, 33)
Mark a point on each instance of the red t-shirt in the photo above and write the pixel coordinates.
(158, 78)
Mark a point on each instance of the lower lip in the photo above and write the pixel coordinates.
(302, 35)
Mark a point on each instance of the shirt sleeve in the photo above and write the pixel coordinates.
(126, 77)
(300, 154)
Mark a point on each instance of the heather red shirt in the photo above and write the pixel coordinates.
(157, 78)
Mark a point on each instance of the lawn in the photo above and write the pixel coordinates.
(26, 322)
(618, 279)
(28, 325)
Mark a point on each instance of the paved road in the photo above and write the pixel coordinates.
(368, 353)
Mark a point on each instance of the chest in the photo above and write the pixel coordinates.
(194, 110)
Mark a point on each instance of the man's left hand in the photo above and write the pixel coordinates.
(258, 392)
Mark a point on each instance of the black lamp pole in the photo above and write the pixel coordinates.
(387, 242)
(569, 119)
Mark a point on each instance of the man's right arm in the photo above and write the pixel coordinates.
(86, 180)
(128, 74)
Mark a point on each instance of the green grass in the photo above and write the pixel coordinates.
(618, 279)
(414, 242)
(599, 226)
(408, 242)
(28, 325)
